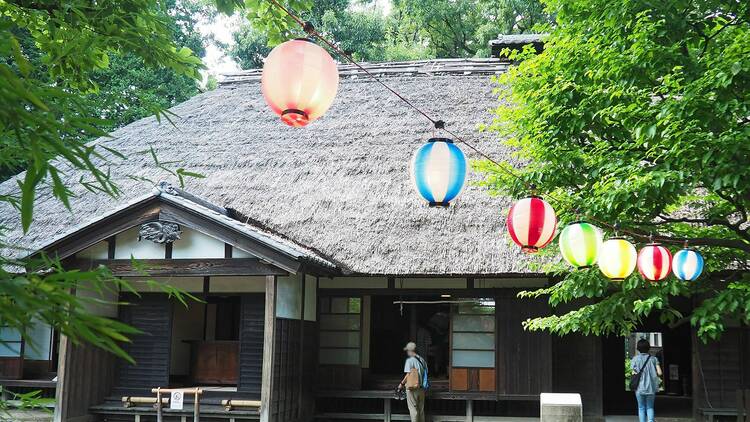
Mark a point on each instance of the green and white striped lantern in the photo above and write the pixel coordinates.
(580, 243)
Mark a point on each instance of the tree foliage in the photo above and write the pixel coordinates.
(464, 28)
(45, 123)
(364, 33)
(127, 89)
(65, 67)
(413, 30)
(639, 113)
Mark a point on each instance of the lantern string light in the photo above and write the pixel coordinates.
(440, 124)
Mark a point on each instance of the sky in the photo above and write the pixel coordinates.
(221, 28)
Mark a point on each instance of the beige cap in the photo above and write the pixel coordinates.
(410, 347)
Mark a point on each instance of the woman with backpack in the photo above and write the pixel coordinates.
(415, 381)
(645, 380)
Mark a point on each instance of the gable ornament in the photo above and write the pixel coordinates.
(160, 232)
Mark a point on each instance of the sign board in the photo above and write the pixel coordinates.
(674, 372)
(175, 402)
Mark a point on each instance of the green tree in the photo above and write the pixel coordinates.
(130, 90)
(637, 113)
(364, 34)
(250, 47)
(464, 28)
(127, 89)
(53, 57)
(45, 123)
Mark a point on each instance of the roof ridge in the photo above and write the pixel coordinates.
(426, 67)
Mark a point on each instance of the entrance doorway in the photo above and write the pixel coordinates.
(672, 346)
(205, 342)
(426, 323)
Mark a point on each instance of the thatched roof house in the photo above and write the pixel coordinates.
(316, 261)
(339, 187)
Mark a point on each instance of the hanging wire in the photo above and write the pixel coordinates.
(440, 124)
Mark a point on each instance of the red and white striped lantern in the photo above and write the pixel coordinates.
(531, 223)
(654, 262)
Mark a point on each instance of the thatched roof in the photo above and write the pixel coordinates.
(339, 186)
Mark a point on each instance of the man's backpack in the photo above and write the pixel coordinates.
(413, 380)
(425, 380)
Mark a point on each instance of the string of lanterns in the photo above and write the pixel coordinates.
(299, 82)
(531, 225)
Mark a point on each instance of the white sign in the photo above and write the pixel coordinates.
(175, 402)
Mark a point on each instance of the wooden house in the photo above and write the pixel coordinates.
(316, 262)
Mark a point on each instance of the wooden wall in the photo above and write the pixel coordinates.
(294, 366)
(251, 344)
(524, 359)
(152, 314)
(577, 368)
(309, 358)
(724, 365)
(286, 370)
(85, 378)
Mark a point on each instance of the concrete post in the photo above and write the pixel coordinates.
(560, 407)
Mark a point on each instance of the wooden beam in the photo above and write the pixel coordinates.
(179, 267)
(111, 247)
(269, 345)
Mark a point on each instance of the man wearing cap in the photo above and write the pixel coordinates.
(415, 397)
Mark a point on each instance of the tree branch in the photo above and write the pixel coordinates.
(698, 241)
(704, 221)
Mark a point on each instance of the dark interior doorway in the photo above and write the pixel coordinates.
(205, 342)
(673, 348)
(393, 325)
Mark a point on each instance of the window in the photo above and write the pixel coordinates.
(473, 335)
(340, 330)
(10, 342)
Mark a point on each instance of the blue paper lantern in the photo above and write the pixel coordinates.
(438, 171)
(687, 264)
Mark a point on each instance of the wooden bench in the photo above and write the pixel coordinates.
(709, 414)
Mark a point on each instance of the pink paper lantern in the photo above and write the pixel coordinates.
(299, 81)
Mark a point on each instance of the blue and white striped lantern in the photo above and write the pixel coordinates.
(438, 171)
(687, 264)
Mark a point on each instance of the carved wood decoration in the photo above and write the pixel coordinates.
(160, 232)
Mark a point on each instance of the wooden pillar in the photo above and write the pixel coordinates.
(300, 377)
(61, 393)
(696, 378)
(269, 333)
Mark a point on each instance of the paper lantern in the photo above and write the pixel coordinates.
(438, 171)
(580, 243)
(617, 258)
(531, 223)
(654, 262)
(299, 81)
(687, 264)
